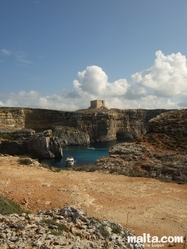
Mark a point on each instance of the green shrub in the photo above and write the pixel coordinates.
(103, 231)
(46, 164)
(25, 160)
(7, 136)
(59, 227)
(56, 169)
(116, 229)
(8, 206)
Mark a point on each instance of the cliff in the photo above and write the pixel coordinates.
(100, 125)
(169, 131)
(160, 153)
(26, 142)
(133, 159)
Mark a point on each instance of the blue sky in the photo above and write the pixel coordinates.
(60, 54)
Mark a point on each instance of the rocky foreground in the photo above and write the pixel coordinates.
(141, 205)
(61, 228)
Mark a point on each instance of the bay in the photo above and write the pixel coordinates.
(84, 155)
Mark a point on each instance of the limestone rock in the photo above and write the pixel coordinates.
(27, 142)
(12, 147)
(99, 124)
(62, 228)
(140, 160)
(159, 153)
(169, 131)
(44, 145)
(70, 136)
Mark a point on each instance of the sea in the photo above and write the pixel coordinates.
(84, 155)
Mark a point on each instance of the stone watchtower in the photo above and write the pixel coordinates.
(97, 104)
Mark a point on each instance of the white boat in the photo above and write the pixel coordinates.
(91, 148)
(70, 161)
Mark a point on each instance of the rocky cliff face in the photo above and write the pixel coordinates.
(12, 117)
(133, 159)
(26, 142)
(44, 145)
(70, 136)
(114, 124)
(30, 118)
(100, 125)
(169, 131)
(160, 153)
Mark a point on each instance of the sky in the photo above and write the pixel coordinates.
(61, 54)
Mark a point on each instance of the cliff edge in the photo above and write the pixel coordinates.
(100, 124)
(160, 153)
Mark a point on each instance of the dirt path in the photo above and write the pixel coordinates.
(140, 204)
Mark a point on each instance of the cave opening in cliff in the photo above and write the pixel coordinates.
(123, 136)
(120, 135)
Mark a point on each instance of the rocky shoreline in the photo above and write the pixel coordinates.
(43, 145)
(133, 159)
(62, 228)
(159, 151)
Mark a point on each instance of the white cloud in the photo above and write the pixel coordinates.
(94, 81)
(167, 77)
(164, 85)
(19, 57)
(36, 100)
(6, 52)
(158, 103)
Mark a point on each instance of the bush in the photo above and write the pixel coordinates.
(8, 206)
(7, 136)
(56, 228)
(25, 160)
(116, 228)
(103, 231)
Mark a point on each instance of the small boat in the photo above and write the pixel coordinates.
(91, 148)
(70, 161)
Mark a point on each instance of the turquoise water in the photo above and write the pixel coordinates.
(82, 154)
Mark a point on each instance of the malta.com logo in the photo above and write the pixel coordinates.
(154, 241)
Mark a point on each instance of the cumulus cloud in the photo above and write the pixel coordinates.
(36, 100)
(167, 77)
(94, 81)
(163, 85)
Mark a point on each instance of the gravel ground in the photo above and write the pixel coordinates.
(142, 205)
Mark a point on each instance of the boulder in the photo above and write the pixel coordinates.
(12, 147)
(22, 142)
(44, 146)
